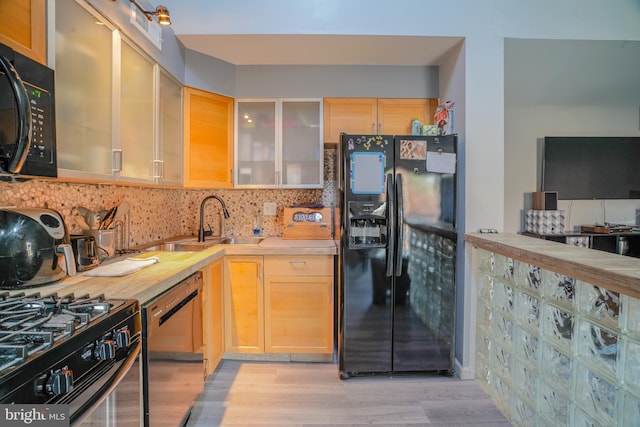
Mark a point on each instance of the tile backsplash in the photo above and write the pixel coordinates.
(158, 213)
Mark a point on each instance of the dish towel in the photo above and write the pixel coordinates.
(124, 267)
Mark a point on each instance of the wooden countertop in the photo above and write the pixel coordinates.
(611, 271)
(146, 284)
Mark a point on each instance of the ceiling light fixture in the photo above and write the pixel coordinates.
(161, 12)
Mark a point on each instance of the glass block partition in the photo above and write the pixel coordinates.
(555, 351)
(434, 303)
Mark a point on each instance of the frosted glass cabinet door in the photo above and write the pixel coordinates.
(136, 114)
(170, 126)
(83, 90)
(256, 143)
(301, 139)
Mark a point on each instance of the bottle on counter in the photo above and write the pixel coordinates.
(257, 224)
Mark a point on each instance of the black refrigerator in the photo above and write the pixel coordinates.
(397, 255)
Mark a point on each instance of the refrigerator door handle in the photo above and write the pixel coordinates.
(391, 208)
(399, 220)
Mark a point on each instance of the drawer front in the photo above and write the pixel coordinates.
(303, 265)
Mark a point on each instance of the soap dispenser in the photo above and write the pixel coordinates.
(257, 224)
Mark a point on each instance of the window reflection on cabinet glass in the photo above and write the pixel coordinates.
(170, 138)
(136, 113)
(300, 136)
(256, 143)
(83, 90)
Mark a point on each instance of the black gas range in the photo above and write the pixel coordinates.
(65, 349)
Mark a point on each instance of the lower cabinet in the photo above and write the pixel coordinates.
(298, 304)
(243, 304)
(279, 304)
(212, 315)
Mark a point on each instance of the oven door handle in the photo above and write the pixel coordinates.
(112, 381)
(23, 139)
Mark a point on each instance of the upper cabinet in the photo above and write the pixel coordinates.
(279, 143)
(208, 139)
(119, 114)
(374, 116)
(84, 100)
(23, 27)
(168, 150)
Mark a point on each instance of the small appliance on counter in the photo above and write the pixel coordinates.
(307, 222)
(33, 248)
(85, 251)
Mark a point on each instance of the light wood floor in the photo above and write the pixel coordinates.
(311, 394)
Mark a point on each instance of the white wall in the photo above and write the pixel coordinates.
(452, 87)
(566, 88)
(315, 81)
(210, 74)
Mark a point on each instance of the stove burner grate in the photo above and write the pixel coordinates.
(31, 324)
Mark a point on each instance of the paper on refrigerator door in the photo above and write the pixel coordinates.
(367, 173)
(439, 162)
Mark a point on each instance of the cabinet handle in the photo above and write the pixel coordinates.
(373, 128)
(158, 169)
(231, 176)
(116, 160)
(380, 127)
(259, 271)
(297, 262)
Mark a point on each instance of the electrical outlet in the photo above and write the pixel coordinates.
(269, 209)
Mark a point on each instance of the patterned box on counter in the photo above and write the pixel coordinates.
(579, 241)
(544, 221)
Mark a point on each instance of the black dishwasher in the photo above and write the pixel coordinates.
(173, 368)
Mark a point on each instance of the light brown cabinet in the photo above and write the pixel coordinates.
(208, 139)
(298, 300)
(390, 116)
(213, 320)
(243, 304)
(23, 28)
(279, 304)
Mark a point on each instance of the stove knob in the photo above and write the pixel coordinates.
(59, 382)
(105, 350)
(123, 338)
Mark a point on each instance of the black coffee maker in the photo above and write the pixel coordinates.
(34, 249)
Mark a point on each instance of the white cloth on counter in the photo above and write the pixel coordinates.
(123, 268)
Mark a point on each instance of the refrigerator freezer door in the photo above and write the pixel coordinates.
(365, 342)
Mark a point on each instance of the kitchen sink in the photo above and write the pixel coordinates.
(239, 240)
(192, 245)
(181, 246)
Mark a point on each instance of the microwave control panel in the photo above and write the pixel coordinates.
(41, 149)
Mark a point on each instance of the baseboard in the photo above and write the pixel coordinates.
(280, 357)
(464, 372)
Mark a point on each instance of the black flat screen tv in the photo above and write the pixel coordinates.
(586, 168)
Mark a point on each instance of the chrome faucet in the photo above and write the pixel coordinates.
(225, 214)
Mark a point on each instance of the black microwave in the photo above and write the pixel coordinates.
(27, 116)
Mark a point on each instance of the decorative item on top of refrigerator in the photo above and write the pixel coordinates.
(443, 118)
